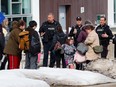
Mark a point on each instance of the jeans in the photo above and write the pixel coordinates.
(31, 61)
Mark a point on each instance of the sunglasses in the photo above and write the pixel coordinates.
(70, 37)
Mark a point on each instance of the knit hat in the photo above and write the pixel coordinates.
(88, 24)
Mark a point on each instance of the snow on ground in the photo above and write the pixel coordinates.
(104, 66)
(53, 76)
(14, 78)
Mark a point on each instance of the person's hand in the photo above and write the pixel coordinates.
(49, 52)
(42, 33)
(104, 35)
(75, 31)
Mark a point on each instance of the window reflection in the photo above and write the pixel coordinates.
(27, 19)
(16, 9)
(15, 0)
(5, 6)
(26, 6)
(17, 19)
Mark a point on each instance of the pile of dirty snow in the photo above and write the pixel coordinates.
(15, 78)
(52, 76)
(104, 66)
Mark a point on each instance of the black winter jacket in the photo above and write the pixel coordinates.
(33, 33)
(102, 30)
(56, 38)
(75, 35)
(2, 42)
(49, 29)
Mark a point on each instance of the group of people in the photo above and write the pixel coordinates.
(52, 36)
(88, 34)
(9, 44)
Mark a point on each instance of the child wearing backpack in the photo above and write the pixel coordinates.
(69, 51)
(34, 47)
(58, 39)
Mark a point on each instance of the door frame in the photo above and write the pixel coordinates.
(68, 16)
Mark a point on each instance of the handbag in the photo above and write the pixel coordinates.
(98, 49)
(57, 46)
(82, 48)
(78, 58)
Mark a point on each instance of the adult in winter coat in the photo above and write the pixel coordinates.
(61, 38)
(15, 25)
(83, 34)
(12, 47)
(105, 34)
(81, 39)
(76, 30)
(91, 41)
(47, 31)
(2, 42)
(32, 53)
(5, 26)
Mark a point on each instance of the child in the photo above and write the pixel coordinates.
(69, 51)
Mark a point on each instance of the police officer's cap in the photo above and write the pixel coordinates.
(78, 18)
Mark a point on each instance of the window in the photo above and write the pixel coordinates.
(15, 0)
(26, 6)
(5, 6)
(16, 10)
(27, 19)
(17, 18)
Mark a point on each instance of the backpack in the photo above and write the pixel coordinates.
(61, 40)
(35, 46)
(24, 40)
(57, 46)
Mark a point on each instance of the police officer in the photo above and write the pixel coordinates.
(76, 29)
(47, 31)
(105, 34)
(75, 33)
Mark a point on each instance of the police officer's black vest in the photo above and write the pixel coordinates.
(50, 29)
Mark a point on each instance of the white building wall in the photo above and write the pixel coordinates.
(36, 12)
(111, 13)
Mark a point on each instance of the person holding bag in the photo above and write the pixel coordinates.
(12, 46)
(79, 58)
(91, 41)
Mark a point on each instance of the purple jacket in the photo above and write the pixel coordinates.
(82, 36)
